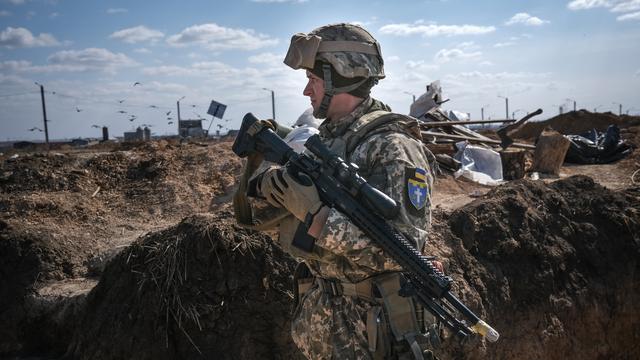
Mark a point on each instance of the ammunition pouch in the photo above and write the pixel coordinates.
(392, 319)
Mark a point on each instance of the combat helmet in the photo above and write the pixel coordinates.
(347, 49)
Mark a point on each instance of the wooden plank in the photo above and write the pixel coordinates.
(473, 139)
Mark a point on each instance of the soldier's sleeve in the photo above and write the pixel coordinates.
(398, 165)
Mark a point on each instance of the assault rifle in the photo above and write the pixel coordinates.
(340, 187)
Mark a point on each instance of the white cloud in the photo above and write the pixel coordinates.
(4, 13)
(588, 4)
(89, 59)
(447, 55)
(14, 65)
(266, 58)
(54, 15)
(215, 37)
(630, 7)
(142, 51)
(116, 11)
(616, 6)
(637, 74)
(485, 63)
(496, 76)
(137, 34)
(196, 69)
(21, 38)
(526, 19)
(627, 6)
(503, 44)
(467, 45)
(433, 30)
(630, 16)
(392, 58)
(420, 66)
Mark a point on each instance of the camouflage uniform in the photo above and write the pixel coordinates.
(390, 154)
(326, 325)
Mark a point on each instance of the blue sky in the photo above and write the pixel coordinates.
(88, 55)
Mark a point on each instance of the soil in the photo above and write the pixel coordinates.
(131, 251)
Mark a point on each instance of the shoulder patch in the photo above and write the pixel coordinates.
(417, 187)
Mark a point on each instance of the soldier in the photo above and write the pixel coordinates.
(347, 302)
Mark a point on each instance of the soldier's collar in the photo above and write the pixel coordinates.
(334, 128)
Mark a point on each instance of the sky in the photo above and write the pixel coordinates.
(89, 55)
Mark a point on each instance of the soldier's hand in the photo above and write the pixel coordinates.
(298, 197)
(268, 186)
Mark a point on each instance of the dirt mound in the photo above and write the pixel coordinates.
(575, 122)
(554, 268)
(203, 289)
(89, 202)
(62, 215)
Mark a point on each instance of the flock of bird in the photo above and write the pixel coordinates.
(132, 117)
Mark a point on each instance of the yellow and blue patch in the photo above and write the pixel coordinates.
(417, 187)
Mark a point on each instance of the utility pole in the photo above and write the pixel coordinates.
(506, 103)
(273, 103)
(574, 103)
(482, 111)
(178, 105)
(44, 115)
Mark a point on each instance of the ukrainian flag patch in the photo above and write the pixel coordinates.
(417, 187)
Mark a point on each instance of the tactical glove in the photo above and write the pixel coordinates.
(282, 190)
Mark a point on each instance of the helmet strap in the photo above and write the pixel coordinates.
(330, 91)
(321, 113)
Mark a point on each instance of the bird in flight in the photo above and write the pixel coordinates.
(153, 106)
(78, 109)
(137, 83)
(95, 126)
(122, 111)
(170, 122)
(169, 118)
(121, 101)
(35, 128)
(168, 112)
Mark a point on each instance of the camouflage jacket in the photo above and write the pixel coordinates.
(391, 160)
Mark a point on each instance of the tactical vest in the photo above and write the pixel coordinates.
(375, 122)
(401, 315)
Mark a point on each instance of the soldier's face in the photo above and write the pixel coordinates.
(314, 90)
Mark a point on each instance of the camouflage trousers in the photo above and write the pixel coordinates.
(331, 327)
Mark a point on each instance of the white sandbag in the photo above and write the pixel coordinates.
(479, 164)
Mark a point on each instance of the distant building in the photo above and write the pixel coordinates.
(105, 133)
(137, 135)
(146, 134)
(191, 128)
